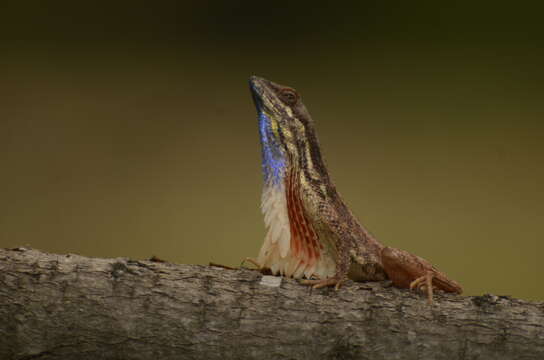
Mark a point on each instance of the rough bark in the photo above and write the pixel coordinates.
(73, 307)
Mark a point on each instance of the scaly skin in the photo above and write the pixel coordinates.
(311, 231)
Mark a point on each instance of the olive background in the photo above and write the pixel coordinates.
(127, 129)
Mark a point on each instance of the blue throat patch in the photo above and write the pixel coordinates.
(273, 158)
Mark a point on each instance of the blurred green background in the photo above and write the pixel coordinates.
(127, 129)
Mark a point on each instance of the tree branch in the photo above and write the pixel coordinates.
(73, 307)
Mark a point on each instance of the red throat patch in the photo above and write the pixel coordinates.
(305, 243)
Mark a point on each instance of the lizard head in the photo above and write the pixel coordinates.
(285, 126)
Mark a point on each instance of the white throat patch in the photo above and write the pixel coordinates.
(277, 252)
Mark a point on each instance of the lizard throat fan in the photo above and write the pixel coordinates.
(291, 247)
(272, 156)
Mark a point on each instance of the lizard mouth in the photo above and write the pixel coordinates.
(262, 92)
(256, 87)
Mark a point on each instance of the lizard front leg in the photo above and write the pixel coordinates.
(357, 253)
(343, 262)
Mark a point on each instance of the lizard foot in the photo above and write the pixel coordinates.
(319, 283)
(252, 261)
(262, 270)
(407, 270)
(424, 283)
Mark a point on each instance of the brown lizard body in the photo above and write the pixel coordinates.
(311, 231)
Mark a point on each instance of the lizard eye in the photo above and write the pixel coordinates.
(289, 96)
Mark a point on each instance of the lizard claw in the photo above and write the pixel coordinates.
(262, 270)
(252, 261)
(319, 283)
